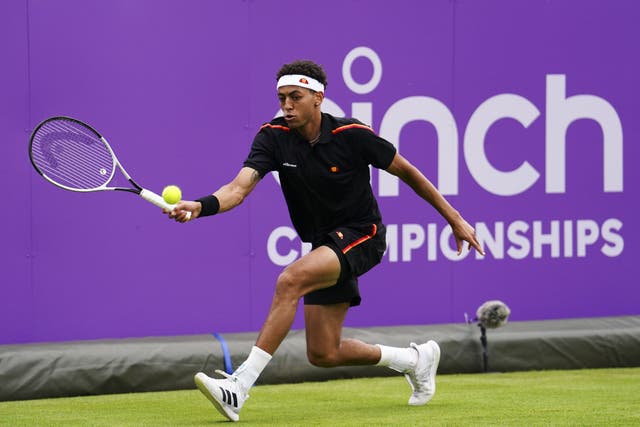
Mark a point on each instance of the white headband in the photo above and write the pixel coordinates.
(300, 80)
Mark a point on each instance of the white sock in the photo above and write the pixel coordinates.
(398, 359)
(250, 370)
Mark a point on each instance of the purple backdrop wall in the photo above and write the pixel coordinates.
(523, 113)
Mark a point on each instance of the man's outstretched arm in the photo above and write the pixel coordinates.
(229, 196)
(408, 173)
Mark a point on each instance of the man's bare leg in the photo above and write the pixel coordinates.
(325, 346)
(318, 269)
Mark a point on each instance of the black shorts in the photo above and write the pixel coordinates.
(359, 249)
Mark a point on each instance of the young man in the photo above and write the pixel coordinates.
(323, 163)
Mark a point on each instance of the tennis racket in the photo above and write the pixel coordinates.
(72, 155)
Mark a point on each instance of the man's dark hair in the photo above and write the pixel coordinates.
(308, 68)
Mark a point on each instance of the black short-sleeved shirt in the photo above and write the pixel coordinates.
(326, 185)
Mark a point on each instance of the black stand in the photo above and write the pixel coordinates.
(485, 350)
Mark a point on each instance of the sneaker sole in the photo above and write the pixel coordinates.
(436, 361)
(204, 390)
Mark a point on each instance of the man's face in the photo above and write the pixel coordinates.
(298, 105)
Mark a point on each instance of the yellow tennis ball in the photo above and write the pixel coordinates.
(172, 194)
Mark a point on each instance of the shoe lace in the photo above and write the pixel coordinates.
(224, 374)
(416, 385)
(233, 379)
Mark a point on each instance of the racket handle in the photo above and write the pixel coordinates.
(157, 200)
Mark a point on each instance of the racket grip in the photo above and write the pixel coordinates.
(157, 200)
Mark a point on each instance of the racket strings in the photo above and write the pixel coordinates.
(72, 155)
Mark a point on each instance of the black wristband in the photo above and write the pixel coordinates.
(210, 205)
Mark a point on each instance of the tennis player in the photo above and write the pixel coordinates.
(323, 163)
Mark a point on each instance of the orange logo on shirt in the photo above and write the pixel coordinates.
(340, 235)
(334, 169)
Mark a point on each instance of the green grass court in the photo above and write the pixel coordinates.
(594, 397)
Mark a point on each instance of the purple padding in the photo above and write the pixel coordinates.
(524, 114)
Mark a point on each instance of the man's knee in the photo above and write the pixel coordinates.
(288, 285)
(323, 358)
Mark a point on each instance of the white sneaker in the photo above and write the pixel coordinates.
(227, 395)
(422, 378)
